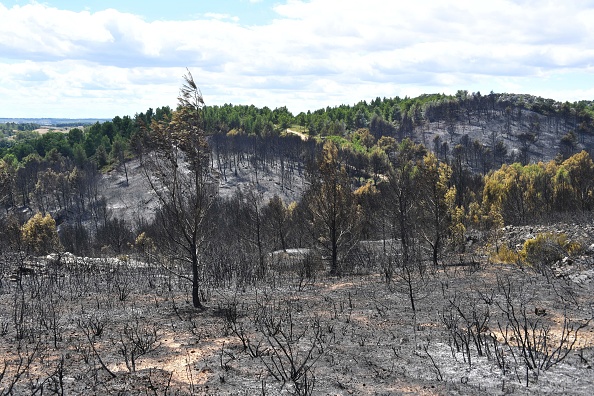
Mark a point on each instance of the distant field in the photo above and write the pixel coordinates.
(41, 131)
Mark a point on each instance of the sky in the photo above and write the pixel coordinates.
(107, 58)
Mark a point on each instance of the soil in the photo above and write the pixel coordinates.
(133, 200)
(487, 132)
(362, 333)
(302, 135)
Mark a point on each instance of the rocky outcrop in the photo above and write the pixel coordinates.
(578, 267)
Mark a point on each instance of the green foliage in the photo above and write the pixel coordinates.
(372, 137)
(26, 135)
(547, 248)
(580, 172)
(21, 150)
(506, 255)
(407, 103)
(11, 128)
(363, 138)
(101, 156)
(40, 235)
(527, 192)
(246, 119)
(75, 136)
(335, 216)
(541, 251)
(7, 179)
(97, 137)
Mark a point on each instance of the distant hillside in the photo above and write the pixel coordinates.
(504, 128)
(55, 121)
(482, 132)
(488, 129)
(135, 200)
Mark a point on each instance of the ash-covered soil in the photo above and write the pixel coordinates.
(547, 131)
(127, 328)
(135, 200)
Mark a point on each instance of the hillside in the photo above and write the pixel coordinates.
(479, 132)
(518, 130)
(134, 200)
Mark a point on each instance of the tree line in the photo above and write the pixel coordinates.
(388, 117)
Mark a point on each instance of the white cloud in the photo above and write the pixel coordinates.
(315, 53)
(219, 16)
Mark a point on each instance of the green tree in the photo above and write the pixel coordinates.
(504, 190)
(435, 201)
(118, 153)
(363, 137)
(378, 162)
(101, 156)
(563, 194)
(7, 180)
(75, 136)
(92, 139)
(580, 169)
(525, 193)
(40, 235)
(79, 154)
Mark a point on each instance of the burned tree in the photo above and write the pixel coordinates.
(177, 169)
(334, 213)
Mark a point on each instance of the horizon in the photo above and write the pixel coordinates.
(2, 119)
(99, 59)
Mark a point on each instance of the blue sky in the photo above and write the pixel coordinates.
(247, 12)
(102, 58)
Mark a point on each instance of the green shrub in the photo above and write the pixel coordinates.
(547, 248)
(505, 255)
(40, 235)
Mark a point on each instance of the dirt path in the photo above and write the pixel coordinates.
(300, 134)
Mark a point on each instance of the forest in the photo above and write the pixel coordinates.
(435, 235)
